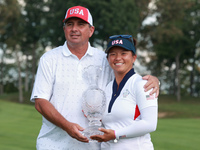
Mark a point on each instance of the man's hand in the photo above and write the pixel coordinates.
(152, 82)
(51, 114)
(74, 129)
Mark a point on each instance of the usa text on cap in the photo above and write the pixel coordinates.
(124, 41)
(79, 12)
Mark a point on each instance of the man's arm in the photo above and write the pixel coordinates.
(51, 114)
(152, 82)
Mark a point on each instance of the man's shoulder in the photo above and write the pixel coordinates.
(53, 52)
(98, 51)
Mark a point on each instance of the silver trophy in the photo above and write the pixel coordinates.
(94, 102)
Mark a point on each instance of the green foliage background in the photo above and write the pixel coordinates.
(171, 43)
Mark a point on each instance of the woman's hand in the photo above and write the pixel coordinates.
(107, 136)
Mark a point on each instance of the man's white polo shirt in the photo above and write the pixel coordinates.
(59, 80)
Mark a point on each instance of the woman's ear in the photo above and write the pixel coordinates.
(134, 58)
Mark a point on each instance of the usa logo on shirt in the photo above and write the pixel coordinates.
(150, 97)
(126, 93)
(122, 136)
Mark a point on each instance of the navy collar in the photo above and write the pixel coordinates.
(116, 92)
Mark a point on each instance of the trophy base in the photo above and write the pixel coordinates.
(92, 130)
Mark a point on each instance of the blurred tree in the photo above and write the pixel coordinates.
(34, 40)
(110, 17)
(170, 42)
(192, 31)
(11, 34)
(4, 17)
(115, 17)
(41, 26)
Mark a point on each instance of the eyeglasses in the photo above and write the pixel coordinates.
(129, 37)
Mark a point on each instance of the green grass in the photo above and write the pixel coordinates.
(19, 126)
(179, 130)
(177, 134)
(187, 108)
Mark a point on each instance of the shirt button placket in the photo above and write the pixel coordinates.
(79, 71)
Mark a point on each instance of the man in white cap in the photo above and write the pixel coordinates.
(59, 84)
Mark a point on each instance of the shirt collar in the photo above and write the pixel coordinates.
(67, 52)
(116, 92)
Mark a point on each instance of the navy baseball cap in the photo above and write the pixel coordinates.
(124, 41)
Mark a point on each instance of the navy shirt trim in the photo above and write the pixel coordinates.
(116, 92)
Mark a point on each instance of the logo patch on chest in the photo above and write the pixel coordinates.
(126, 93)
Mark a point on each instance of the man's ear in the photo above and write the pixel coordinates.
(92, 28)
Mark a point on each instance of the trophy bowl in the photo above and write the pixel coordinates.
(93, 106)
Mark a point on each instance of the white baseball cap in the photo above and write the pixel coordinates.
(79, 12)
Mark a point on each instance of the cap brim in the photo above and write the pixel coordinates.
(72, 17)
(65, 20)
(122, 46)
(121, 42)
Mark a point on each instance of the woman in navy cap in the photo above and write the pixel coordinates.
(131, 112)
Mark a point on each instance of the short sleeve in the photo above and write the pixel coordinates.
(43, 81)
